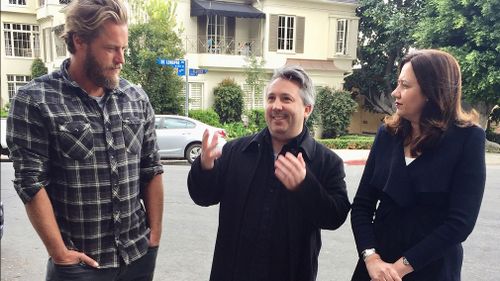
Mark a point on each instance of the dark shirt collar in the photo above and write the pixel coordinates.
(303, 142)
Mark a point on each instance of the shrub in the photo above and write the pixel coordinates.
(228, 101)
(38, 68)
(313, 121)
(4, 111)
(256, 120)
(208, 116)
(236, 130)
(335, 108)
(350, 142)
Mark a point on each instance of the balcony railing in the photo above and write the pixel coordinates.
(222, 45)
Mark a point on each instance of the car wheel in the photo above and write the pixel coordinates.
(192, 152)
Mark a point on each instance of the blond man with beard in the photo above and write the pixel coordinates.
(86, 161)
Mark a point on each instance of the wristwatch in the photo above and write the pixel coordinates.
(368, 252)
(406, 262)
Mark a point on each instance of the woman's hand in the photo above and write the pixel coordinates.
(380, 270)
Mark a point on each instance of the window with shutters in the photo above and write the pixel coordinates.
(253, 98)
(195, 95)
(286, 33)
(341, 44)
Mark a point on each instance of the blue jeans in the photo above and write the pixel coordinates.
(139, 270)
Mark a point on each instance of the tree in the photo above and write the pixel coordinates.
(228, 101)
(255, 73)
(38, 68)
(470, 31)
(386, 29)
(335, 110)
(154, 38)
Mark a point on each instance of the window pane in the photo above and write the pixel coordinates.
(173, 123)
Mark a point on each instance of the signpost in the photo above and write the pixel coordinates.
(181, 66)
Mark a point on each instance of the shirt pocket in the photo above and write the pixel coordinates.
(76, 140)
(133, 134)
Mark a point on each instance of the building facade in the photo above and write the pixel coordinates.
(219, 37)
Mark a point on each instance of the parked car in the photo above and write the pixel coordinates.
(3, 136)
(180, 137)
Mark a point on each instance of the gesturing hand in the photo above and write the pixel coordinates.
(209, 151)
(290, 170)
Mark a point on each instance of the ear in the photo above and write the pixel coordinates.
(308, 110)
(78, 42)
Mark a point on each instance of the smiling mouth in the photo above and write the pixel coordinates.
(278, 116)
(397, 104)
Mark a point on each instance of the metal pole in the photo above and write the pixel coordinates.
(187, 88)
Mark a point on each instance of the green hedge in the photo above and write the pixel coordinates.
(348, 142)
(208, 116)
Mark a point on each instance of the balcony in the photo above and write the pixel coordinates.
(223, 46)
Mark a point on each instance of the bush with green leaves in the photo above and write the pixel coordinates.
(38, 68)
(313, 121)
(348, 143)
(208, 116)
(335, 109)
(4, 111)
(236, 130)
(256, 119)
(228, 101)
(149, 40)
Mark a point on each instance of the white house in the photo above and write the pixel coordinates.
(320, 35)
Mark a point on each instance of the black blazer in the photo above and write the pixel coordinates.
(321, 202)
(426, 209)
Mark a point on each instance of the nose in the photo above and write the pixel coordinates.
(277, 105)
(395, 93)
(120, 56)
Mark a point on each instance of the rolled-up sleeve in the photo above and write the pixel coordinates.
(28, 142)
(150, 157)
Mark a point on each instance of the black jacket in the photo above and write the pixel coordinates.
(426, 209)
(321, 202)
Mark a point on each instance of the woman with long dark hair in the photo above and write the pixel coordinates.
(421, 190)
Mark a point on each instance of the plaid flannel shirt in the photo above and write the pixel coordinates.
(93, 162)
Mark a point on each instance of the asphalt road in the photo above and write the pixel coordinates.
(189, 235)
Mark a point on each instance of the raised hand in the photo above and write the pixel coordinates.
(290, 170)
(209, 151)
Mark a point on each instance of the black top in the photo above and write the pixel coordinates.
(265, 231)
(426, 209)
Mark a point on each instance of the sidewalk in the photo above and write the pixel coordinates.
(359, 156)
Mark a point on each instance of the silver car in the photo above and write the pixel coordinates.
(180, 137)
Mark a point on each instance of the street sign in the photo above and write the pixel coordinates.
(180, 65)
(196, 71)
